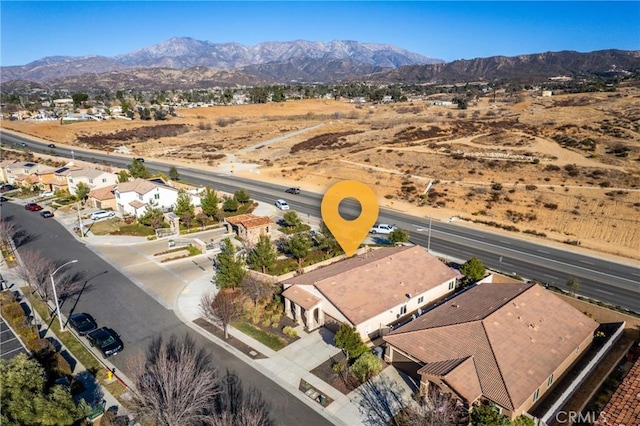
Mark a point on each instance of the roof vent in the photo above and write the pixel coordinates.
(455, 305)
(401, 282)
(408, 295)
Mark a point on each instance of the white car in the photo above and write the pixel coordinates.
(101, 214)
(47, 194)
(382, 228)
(282, 204)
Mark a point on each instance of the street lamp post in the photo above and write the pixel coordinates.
(55, 294)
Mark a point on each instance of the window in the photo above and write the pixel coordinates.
(420, 299)
(90, 180)
(104, 180)
(140, 197)
(156, 196)
(117, 195)
(452, 285)
(536, 395)
(403, 309)
(550, 380)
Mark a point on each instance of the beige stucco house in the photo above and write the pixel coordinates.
(503, 341)
(93, 178)
(249, 227)
(371, 291)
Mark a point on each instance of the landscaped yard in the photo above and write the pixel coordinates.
(271, 336)
(116, 226)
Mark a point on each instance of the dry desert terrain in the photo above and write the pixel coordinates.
(564, 169)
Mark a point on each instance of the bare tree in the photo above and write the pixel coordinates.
(236, 407)
(174, 383)
(384, 403)
(36, 270)
(8, 230)
(221, 309)
(255, 289)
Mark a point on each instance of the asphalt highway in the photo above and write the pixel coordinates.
(617, 283)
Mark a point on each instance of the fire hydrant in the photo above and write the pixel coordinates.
(109, 375)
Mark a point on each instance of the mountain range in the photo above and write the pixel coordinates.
(186, 63)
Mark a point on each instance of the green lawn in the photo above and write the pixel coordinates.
(263, 337)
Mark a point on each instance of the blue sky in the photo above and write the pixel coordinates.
(447, 30)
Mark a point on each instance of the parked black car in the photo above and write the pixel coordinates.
(106, 340)
(82, 323)
(7, 187)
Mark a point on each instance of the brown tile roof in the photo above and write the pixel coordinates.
(136, 204)
(104, 193)
(89, 173)
(461, 372)
(517, 334)
(139, 186)
(363, 286)
(249, 220)
(298, 295)
(624, 406)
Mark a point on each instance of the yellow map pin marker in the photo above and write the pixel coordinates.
(349, 233)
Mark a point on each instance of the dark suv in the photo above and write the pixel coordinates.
(106, 340)
(293, 190)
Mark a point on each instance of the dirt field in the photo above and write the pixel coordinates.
(565, 168)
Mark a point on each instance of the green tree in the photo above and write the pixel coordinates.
(291, 219)
(398, 236)
(486, 415)
(229, 268)
(242, 196)
(152, 215)
(26, 400)
(263, 256)
(574, 285)
(349, 340)
(473, 270)
(79, 98)
(209, 202)
(173, 173)
(137, 169)
(230, 205)
(123, 176)
(82, 190)
(523, 420)
(299, 246)
(183, 208)
(366, 366)
(327, 241)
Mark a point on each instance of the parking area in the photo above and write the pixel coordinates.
(10, 345)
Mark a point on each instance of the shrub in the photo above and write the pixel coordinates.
(366, 366)
(290, 331)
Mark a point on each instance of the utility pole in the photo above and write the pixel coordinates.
(80, 220)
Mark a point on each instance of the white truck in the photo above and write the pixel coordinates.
(382, 228)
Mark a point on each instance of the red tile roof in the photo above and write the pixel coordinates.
(517, 334)
(363, 286)
(104, 193)
(624, 406)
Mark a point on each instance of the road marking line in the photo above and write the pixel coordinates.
(602, 291)
(542, 251)
(551, 276)
(588, 263)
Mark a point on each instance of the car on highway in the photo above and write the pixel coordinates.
(51, 145)
(101, 214)
(139, 159)
(22, 144)
(293, 190)
(33, 207)
(282, 204)
(382, 228)
(82, 323)
(106, 340)
(46, 213)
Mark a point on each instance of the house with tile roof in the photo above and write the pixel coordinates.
(502, 341)
(103, 198)
(249, 227)
(91, 177)
(134, 195)
(57, 180)
(370, 291)
(18, 172)
(624, 406)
